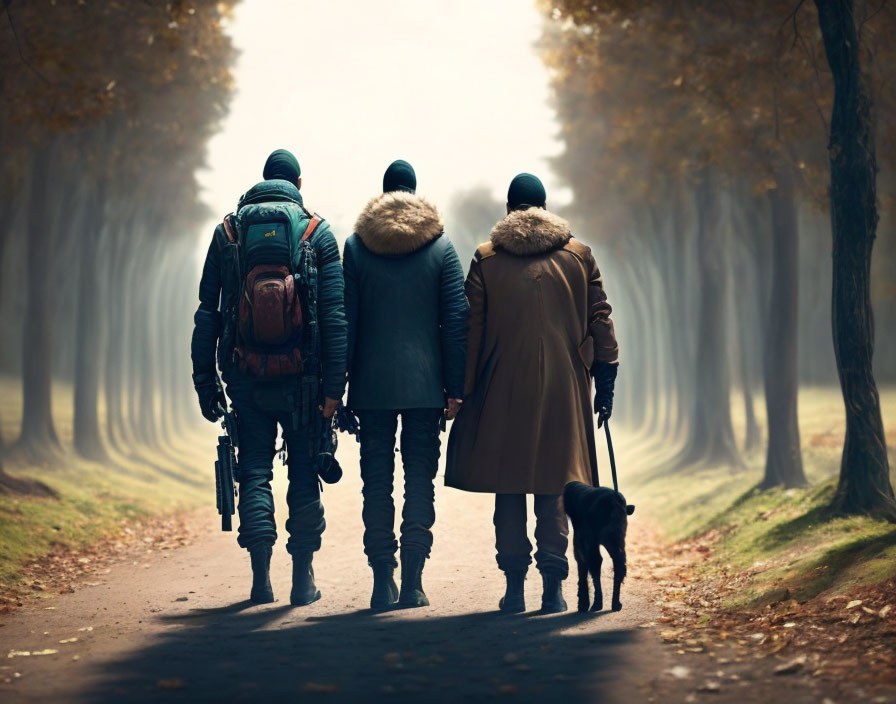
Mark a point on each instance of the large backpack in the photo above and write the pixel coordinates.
(276, 313)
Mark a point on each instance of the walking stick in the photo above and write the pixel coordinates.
(612, 456)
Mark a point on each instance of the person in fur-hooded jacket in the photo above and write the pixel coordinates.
(407, 322)
(539, 330)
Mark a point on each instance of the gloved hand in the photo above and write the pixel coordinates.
(211, 395)
(604, 383)
(347, 421)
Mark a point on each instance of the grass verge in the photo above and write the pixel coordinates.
(782, 543)
(94, 500)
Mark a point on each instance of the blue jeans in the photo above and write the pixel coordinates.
(420, 444)
(257, 430)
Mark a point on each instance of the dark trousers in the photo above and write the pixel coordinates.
(551, 534)
(420, 457)
(255, 458)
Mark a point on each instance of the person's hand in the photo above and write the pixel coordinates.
(604, 384)
(454, 405)
(211, 400)
(329, 407)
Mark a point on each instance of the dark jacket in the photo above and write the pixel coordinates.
(539, 318)
(405, 304)
(331, 312)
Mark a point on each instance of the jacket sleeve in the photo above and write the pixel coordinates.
(475, 291)
(600, 326)
(453, 314)
(351, 303)
(207, 321)
(330, 312)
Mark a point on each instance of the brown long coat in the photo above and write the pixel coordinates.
(538, 319)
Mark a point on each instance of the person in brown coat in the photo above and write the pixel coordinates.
(539, 330)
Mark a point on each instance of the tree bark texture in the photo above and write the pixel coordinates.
(864, 485)
(784, 462)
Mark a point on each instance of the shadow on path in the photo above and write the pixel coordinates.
(236, 653)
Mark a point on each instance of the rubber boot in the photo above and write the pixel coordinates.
(514, 601)
(261, 575)
(385, 592)
(412, 594)
(304, 591)
(552, 601)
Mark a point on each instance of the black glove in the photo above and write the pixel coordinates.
(604, 382)
(212, 400)
(347, 421)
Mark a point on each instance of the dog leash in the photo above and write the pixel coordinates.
(612, 456)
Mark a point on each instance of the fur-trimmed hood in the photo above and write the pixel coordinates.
(531, 231)
(398, 223)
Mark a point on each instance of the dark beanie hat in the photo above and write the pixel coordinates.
(525, 191)
(399, 176)
(282, 164)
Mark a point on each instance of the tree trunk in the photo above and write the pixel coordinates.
(89, 332)
(711, 437)
(38, 436)
(784, 462)
(864, 485)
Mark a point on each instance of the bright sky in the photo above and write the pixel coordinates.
(456, 88)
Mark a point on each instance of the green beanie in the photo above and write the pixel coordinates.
(282, 164)
(399, 176)
(526, 191)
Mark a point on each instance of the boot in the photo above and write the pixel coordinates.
(552, 598)
(261, 575)
(411, 581)
(303, 590)
(513, 601)
(385, 592)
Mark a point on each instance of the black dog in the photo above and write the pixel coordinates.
(599, 517)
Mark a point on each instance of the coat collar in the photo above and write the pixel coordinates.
(531, 231)
(398, 223)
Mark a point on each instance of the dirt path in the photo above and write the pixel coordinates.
(174, 625)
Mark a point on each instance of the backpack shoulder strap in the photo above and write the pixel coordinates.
(230, 228)
(312, 226)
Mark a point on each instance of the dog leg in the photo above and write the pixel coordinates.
(619, 570)
(594, 565)
(583, 576)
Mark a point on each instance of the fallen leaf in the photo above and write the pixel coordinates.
(853, 604)
(679, 672)
(320, 687)
(792, 667)
(171, 683)
(884, 611)
(69, 640)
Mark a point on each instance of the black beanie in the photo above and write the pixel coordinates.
(282, 164)
(526, 191)
(399, 176)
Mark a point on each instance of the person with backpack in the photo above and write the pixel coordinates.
(271, 317)
(539, 331)
(407, 318)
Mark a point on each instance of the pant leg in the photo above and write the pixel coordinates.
(377, 472)
(255, 460)
(306, 523)
(511, 541)
(551, 535)
(420, 444)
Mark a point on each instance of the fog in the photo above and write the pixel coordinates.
(457, 89)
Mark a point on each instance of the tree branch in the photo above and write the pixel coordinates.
(15, 34)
